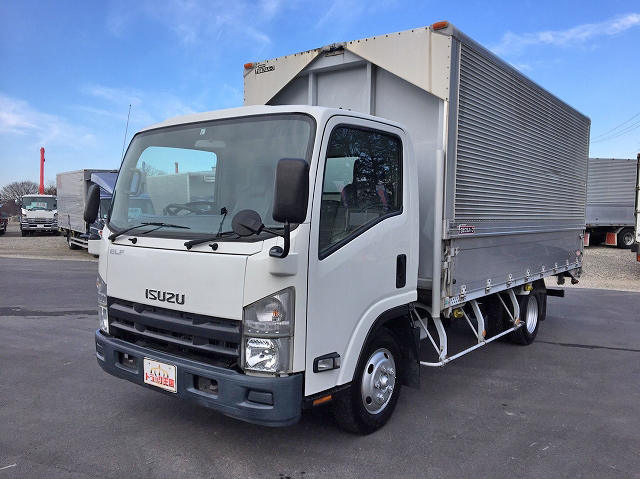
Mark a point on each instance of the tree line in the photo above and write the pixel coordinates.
(17, 189)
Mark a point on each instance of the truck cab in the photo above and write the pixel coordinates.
(225, 313)
(38, 213)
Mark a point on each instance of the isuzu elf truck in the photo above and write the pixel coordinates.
(319, 244)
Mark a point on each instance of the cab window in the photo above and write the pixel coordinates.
(361, 186)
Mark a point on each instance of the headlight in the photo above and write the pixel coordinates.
(268, 327)
(267, 355)
(103, 313)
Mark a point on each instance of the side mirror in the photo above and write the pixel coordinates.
(290, 199)
(291, 194)
(92, 204)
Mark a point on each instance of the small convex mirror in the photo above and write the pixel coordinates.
(247, 223)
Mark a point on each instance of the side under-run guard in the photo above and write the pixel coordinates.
(441, 345)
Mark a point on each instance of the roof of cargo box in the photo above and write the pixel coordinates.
(417, 56)
(410, 55)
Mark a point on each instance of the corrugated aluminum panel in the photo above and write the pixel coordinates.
(611, 181)
(521, 153)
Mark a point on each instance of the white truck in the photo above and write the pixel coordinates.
(611, 196)
(370, 196)
(72, 187)
(636, 245)
(38, 214)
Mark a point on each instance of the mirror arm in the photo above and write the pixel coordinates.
(279, 252)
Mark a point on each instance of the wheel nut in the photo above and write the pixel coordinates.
(377, 385)
(380, 398)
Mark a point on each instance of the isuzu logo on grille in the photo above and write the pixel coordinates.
(164, 296)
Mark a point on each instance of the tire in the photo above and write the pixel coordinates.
(530, 314)
(24, 233)
(625, 238)
(369, 402)
(72, 246)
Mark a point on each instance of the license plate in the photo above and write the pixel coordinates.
(160, 374)
(40, 226)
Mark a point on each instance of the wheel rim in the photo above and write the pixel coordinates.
(532, 314)
(627, 239)
(378, 381)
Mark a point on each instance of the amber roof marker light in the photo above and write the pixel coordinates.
(440, 25)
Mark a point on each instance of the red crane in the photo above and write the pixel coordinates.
(41, 190)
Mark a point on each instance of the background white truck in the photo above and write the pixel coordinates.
(72, 187)
(636, 246)
(38, 214)
(378, 192)
(611, 196)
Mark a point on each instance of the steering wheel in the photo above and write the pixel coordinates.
(193, 207)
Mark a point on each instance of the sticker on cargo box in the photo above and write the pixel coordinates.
(160, 374)
(466, 229)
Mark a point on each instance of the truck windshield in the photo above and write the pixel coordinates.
(34, 203)
(200, 175)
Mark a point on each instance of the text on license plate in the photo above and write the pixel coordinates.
(160, 374)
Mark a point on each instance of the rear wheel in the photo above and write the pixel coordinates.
(625, 238)
(530, 315)
(374, 392)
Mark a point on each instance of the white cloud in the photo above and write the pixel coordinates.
(147, 107)
(193, 22)
(512, 43)
(342, 14)
(18, 118)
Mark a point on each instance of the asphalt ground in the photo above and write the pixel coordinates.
(564, 407)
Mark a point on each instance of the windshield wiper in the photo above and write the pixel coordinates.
(189, 244)
(113, 236)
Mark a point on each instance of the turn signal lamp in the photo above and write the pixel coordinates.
(528, 287)
(440, 25)
(322, 400)
(457, 313)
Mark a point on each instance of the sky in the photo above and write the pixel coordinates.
(70, 69)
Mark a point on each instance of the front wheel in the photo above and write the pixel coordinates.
(375, 389)
(69, 242)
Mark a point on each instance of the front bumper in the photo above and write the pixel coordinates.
(38, 226)
(266, 401)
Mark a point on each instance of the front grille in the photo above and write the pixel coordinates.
(205, 338)
(40, 221)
